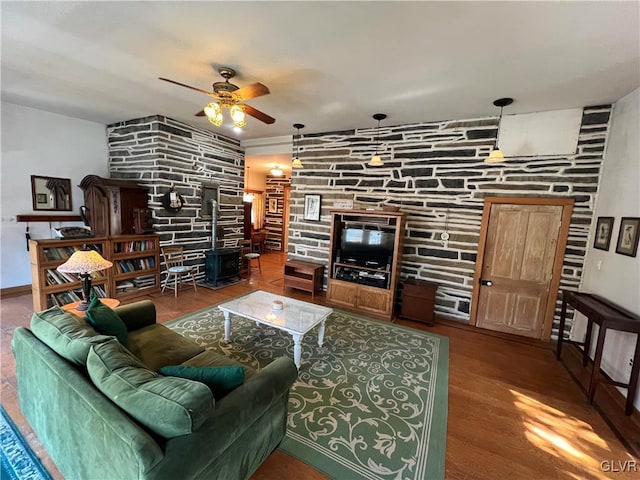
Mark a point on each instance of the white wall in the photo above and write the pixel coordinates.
(36, 142)
(618, 277)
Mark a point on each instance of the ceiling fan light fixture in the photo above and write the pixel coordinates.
(213, 111)
(496, 155)
(276, 171)
(296, 160)
(238, 117)
(376, 161)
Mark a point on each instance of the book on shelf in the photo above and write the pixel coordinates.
(144, 281)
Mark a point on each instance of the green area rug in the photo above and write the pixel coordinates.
(17, 460)
(370, 404)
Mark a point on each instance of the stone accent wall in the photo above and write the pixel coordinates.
(161, 153)
(274, 220)
(436, 173)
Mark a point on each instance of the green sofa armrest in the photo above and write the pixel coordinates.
(137, 315)
(262, 398)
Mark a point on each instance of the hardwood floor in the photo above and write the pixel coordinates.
(514, 411)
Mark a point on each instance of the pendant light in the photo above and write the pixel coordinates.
(376, 161)
(296, 161)
(496, 155)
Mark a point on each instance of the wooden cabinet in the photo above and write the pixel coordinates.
(364, 260)
(418, 300)
(303, 275)
(115, 206)
(135, 271)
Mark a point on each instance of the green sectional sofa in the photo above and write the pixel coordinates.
(103, 412)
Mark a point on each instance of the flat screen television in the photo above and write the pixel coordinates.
(366, 247)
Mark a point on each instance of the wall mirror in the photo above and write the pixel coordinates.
(210, 191)
(51, 193)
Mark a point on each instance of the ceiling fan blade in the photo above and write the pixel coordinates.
(200, 113)
(188, 86)
(263, 117)
(251, 91)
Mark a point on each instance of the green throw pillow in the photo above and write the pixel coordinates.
(106, 321)
(168, 406)
(65, 334)
(221, 380)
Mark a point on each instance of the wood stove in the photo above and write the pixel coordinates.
(222, 265)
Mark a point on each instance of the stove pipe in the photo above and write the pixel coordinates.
(214, 224)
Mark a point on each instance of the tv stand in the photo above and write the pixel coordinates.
(359, 285)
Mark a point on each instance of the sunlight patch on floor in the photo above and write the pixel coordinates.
(562, 436)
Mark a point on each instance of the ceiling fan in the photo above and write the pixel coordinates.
(231, 97)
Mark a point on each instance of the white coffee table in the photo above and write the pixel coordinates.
(297, 317)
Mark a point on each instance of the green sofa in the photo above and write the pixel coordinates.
(89, 437)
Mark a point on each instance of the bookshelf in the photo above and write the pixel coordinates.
(136, 265)
(135, 271)
(50, 287)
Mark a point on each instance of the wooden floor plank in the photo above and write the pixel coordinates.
(514, 411)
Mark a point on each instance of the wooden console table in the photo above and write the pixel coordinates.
(303, 275)
(608, 316)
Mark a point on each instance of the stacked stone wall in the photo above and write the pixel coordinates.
(435, 172)
(161, 154)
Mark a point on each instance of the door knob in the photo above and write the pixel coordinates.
(486, 283)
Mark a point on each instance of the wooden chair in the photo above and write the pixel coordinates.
(258, 240)
(248, 255)
(174, 262)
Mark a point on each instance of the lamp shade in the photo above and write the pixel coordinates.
(375, 161)
(496, 156)
(85, 261)
(296, 163)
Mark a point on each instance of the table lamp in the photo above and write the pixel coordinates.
(84, 263)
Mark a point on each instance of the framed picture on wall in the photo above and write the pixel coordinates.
(604, 228)
(628, 236)
(273, 205)
(312, 204)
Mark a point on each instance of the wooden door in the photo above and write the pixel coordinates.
(517, 268)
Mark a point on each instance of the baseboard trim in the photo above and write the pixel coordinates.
(15, 291)
(608, 400)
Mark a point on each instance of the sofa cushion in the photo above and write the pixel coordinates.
(157, 346)
(168, 406)
(65, 334)
(106, 321)
(221, 380)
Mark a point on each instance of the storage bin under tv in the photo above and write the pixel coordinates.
(364, 260)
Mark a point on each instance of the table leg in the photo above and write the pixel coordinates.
(297, 349)
(321, 334)
(227, 326)
(633, 381)
(596, 363)
(563, 315)
(587, 342)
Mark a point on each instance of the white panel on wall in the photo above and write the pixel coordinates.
(36, 142)
(540, 133)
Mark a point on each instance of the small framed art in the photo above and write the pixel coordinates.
(273, 205)
(312, 204)
(628, 236)
(604, 228)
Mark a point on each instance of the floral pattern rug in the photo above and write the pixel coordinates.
(371, 403)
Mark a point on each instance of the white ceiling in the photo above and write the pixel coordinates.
(329, 65)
